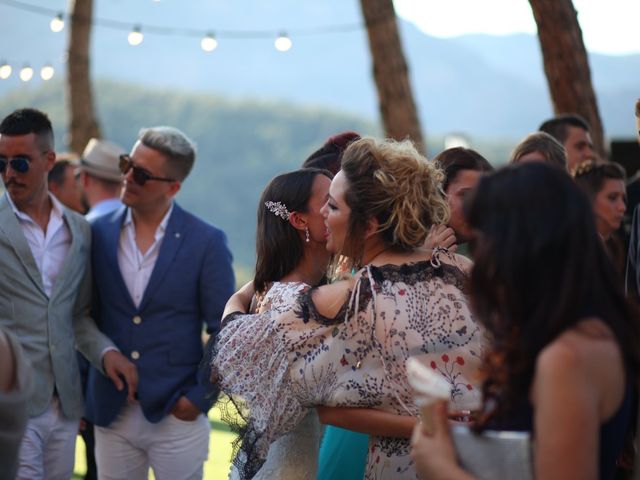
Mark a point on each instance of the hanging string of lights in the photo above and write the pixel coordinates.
(136, 34)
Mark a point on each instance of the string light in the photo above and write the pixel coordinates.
(135, 36)
(47, 72)
(209, 42)
(283, 42)
(57, 23)
(26, 73)
(5, 71)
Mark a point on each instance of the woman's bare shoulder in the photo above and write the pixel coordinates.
(585, 357)
(588, 343)
(329, 299)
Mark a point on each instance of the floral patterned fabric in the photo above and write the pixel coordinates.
(355, 359)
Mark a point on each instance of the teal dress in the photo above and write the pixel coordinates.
(343, 454)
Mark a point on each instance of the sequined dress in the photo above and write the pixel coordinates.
(355, 359)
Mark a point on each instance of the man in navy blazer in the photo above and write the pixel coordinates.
(160, 273)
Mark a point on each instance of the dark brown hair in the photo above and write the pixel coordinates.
(454, 160)
(558, 127)
(540, 268)
(328, 157)
(590, 175)
(279, 247)
(29, 120)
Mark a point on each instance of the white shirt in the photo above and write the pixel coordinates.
(48, 249)
(135, 267)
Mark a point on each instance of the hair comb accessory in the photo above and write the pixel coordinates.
(278, 209)
(583, 168)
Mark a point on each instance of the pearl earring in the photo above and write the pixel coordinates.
(306, 234)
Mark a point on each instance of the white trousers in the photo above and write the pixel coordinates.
(48, 447)
(175, 449)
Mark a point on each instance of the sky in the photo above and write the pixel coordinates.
(608, 26)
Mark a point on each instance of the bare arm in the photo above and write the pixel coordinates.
(241, 300)
(368, 420)
(567, 417)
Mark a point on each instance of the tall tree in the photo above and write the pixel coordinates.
(391, 73)
(83, 124)
(566, 64)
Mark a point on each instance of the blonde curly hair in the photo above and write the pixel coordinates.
(392, 182)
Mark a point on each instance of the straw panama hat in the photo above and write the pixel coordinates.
(101, 158)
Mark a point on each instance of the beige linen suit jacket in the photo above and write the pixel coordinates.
(50, 328)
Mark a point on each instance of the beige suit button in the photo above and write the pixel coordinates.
(137, 320)
(135, 355)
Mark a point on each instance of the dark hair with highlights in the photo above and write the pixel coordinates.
(539, 269)
(279, 247)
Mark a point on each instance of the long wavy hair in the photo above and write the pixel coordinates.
(279, 246)
(540, 268)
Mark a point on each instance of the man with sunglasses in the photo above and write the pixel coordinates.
(161, 274)
(45, 296)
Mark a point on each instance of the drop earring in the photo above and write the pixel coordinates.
(306, 234)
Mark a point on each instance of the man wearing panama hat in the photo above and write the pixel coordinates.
(100, 177)
(101, 183)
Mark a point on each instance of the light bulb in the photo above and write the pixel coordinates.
(209, 43)
(26, 73)
(5, 71)
(47, 72)
(283, 42)
(57, 23)
(135, 36)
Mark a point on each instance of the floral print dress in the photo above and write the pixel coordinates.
(355, 359)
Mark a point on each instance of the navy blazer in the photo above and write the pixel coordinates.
(189, 286)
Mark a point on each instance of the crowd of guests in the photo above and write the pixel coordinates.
(508, 285)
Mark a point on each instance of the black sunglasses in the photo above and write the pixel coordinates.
(19, 164)
(140, 175)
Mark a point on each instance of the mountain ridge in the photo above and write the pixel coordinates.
(484, 86)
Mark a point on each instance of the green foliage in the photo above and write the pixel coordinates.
(241, 144)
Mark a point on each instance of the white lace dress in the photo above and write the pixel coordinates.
(299, 359)
(293, 456)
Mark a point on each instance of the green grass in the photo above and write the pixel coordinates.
(216, 467)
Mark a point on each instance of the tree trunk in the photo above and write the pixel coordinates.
(390, 71)
(566, 64)
(82, 120)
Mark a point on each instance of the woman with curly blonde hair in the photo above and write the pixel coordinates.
(345, 344)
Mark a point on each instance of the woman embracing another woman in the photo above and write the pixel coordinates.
(342, 347)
